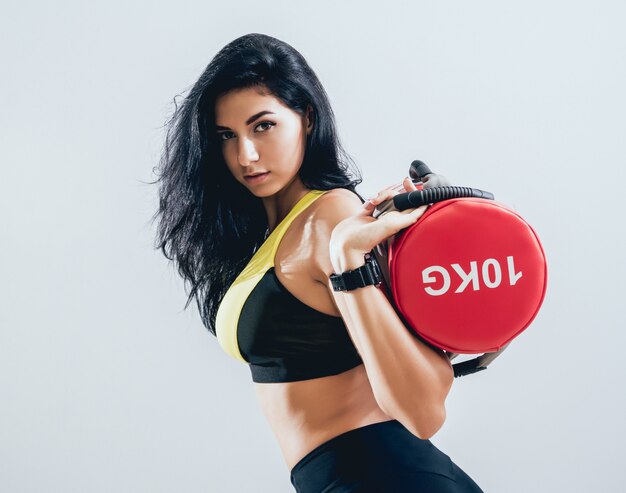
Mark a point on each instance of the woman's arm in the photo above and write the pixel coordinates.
(410, 380)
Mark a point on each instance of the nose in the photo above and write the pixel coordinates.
(246, 153)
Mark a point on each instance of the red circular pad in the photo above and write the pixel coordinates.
(469, 276)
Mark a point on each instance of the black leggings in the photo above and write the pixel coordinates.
(379, 458)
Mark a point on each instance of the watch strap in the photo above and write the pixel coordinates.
(366, 275)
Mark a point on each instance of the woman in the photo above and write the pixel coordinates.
(257, 209)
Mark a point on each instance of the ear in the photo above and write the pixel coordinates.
(310, 118)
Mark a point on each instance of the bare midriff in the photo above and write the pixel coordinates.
(305, 414)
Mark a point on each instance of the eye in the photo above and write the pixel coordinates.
(267, 125)
(271, 124)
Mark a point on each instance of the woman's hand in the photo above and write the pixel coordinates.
(358, 234)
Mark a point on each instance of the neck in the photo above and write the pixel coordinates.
(277, 206)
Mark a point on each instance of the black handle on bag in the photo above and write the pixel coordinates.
(436, 188)
(419, 170)
(417, 198)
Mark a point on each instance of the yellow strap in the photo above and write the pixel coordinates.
(228, 313)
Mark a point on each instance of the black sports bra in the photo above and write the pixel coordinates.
(284, 340)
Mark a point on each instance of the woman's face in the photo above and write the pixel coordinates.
(259, 134)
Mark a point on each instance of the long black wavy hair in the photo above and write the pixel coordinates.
(209, 224)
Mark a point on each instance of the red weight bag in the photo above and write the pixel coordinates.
(468, 277)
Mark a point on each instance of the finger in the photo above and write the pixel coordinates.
(419, 211)
(414, 211)
(391, 223)
(413, 214)
(409, 186)
(383, 195)
(368, 207)
(387, 194)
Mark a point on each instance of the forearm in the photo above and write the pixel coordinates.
(410, 380)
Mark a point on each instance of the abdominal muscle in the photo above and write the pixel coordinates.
(307, 413)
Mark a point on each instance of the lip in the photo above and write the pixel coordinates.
(258, 178)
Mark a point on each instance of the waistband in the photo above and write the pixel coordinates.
(339, 441)
(368, 455)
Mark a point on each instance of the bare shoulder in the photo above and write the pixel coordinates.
(336, 203)
(332, 207)
(328, 211)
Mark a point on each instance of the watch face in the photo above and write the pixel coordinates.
(370, 259)
(376, 268)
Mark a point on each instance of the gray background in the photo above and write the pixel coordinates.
(107, 384)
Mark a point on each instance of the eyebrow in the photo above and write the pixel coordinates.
(249, 120)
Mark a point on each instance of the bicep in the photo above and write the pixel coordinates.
(333, 207)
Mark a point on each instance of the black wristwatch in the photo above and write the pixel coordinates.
(366, 275)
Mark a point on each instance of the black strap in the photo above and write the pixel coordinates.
(467, 367)
(366, 275)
